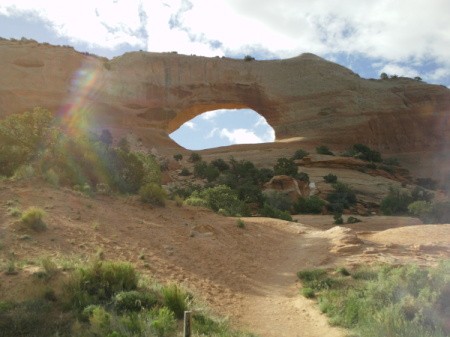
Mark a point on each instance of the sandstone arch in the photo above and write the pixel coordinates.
(152, 94)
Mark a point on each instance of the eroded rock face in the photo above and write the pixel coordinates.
(152, 94)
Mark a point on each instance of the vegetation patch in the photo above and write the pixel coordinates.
(383, 300)
(33, 218)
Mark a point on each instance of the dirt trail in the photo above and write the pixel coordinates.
(275, 308)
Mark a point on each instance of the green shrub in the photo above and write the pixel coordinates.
(185, 172)
(52, 177)
(352, 219)
(309, 205)
(14, 211)
(330, 178)
(99, 282)
(338, 219)
(343, 271)
(302, 176)
(221, 197)
(163, 322)
(153, 194)
(220, 164)
(32, 217)
(341, 197)
(178, 157)
(363, 152)
(300, 154)
(176, 299)
(196, 201)
(285, 166)
(194, 157)
(324, 150)
(275, 213)
(24, 172)
(128, 301)
(428, 212)
(248, 58)
(308, 292)
(240, 223)
(396, 202)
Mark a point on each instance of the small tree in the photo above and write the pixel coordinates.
(324, 150)
(330, 178)
(194, 157)
(384, 76)
(300, 154)
(285, 166)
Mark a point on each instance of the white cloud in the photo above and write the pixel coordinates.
(212, 133)
(384, 30)
(241, 136)
(190, 125)
(97, 23)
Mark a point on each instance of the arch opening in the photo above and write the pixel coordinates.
(223, 127)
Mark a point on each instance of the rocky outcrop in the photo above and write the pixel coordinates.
(287, 185)
(153, 94)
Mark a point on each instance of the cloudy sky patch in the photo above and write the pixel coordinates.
(397, 37)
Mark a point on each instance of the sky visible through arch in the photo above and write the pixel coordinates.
(370, 37)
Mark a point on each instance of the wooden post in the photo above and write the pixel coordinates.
(187, 324)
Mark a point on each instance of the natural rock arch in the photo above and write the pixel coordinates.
(151, 94)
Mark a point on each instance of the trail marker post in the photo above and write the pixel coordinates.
(187, 324)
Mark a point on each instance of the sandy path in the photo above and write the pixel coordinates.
(275, 308)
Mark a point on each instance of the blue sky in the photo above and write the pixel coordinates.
(397, 37)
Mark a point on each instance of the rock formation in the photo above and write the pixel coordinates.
(152, 94)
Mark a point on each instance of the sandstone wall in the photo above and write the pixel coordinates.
(153, 94)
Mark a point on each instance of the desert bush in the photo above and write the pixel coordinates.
(14, 211)
(163, 322)
(176, 299)
(220, 164)
(24, 172)
(196, 201)
(324, 150)
(51, 177)
(341, 197)
(396, 202)
(194, 157)
(33, 218)
(285, 166)
(390, 301)
(240, 223)
(129, 301)
(278, 200)
(431, 212)
(302, 176)
(300, 154)
(352, 219)
(178, 200)
(309, 205)
(275, 213)
(308, 292)
(221, 197)
(22, 137)
(330, 178)
(338, 219)
(185, 172)
(99, 282)
(363, 152)
(178, 157)
(153, 194)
